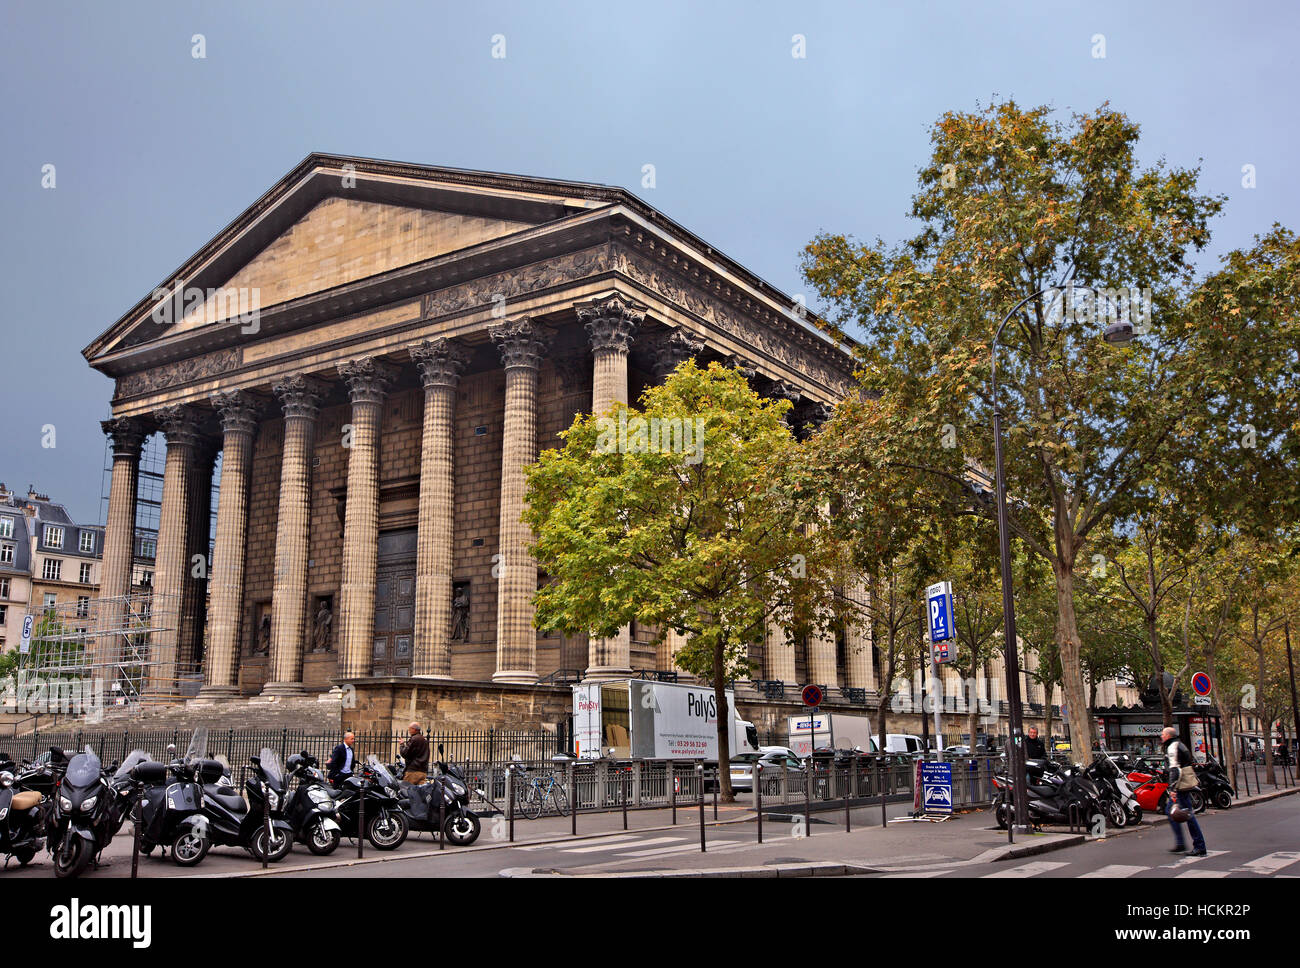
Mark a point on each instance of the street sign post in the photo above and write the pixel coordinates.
(938, 600)
(936, 784)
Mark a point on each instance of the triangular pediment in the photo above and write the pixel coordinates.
(333, 221)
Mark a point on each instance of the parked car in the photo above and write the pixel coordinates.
(956, 751)
(742, 769)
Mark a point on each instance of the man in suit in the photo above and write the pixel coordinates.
(342, 761)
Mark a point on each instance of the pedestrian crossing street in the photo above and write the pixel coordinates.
(639, 846)
(1269, 865)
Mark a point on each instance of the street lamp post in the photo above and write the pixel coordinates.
(1116, 333)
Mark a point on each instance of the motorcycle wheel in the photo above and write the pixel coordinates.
(72, 860)
(1198, 801)
(321, 841)
(1116, 815)
(1001, 815)
(280, 844)
(189, 848)
(462, 831)
(388, 830)
(1135, 816)
(1223, 799)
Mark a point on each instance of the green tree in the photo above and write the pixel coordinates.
(683, 514)
(1012, 203)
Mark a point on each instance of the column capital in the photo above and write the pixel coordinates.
(741, 365)
(611, 321)
(367, 378)
(180, 424)
(128, 435)
(299, 395)
(440, 361)
(672, 350)
(521, 342)
(239, 410)
(780, 390)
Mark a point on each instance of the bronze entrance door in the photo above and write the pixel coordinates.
(392, 648)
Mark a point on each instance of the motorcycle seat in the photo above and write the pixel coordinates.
(25, 800)
(1041, 790)
(231, 801)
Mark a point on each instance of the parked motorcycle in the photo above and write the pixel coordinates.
(22, 821)
(171, 807)
(448, 786)
(1053, 797)
(311, 809)
(1117, 791)
(385, 821)
(1152, 790)
(85, 813)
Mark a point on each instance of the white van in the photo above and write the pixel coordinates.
(900, 743)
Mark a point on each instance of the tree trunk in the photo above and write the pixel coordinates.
(885, 685)
(1153, 638)
(1067, 644)
(724, 721)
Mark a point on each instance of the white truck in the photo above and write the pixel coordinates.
(628, 718)
(842, 731)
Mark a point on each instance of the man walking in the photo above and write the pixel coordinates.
(1182, 780)
(416, 753)
(341, 761)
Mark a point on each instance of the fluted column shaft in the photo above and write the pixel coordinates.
(440, 363)
(611, 322)
(300, 399)
(859, 672)
(119, 535)
(194, 591)
(367, 381)
(516, 568)
(778, 653)
(239, 424)
(172, 570)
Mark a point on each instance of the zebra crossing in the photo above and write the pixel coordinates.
(640, 846)
(1268, 865)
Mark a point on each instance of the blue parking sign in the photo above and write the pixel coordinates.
(936, 785)
(938, 599)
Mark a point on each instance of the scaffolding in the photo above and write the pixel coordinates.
(104, 653)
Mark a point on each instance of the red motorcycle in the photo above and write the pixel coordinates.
(1151, 789)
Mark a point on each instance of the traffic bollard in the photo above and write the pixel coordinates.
(699, 775)
(510, 802)
(807, 798)
(880, 786)
(672, 790)
(361, 819)
(573, 799)
(136, 824)
(442, 820)
(758, 798)
(717, 784)
(852, 771)
(623, 788)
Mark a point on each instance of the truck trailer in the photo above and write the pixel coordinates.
(627, 718)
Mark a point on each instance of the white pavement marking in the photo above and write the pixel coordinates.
(1115, 870)
(1030, 870)
(1201, 872)
(918, 874)
(590, 841)
(680, 849)
(1270, 863)
(1184, 861)
(619, 846)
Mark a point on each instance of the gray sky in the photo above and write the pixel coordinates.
(754, 150)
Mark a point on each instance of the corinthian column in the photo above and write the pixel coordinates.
(300, 397)
(672, 351)
(367, 382)
(119, 536)
(859, 670)
(521, 352)
(194, 605)
(778, 653)
(441, 363)
(611, 322)
(239, 424)
(180, 424)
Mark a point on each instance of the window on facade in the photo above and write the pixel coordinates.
(84, 577)
(4, 587)
(88, 542)
(83, 605)
(6, 554)
(49, 600)
(148, 548)
(4, 614)
(53, 569)
(53, 536)
(6, 527)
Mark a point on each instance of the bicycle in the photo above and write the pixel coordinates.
(538, 791)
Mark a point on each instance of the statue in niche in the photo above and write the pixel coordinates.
(324, 627)
(263, 646)
(460, 614)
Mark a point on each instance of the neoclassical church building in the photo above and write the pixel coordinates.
(376, 350)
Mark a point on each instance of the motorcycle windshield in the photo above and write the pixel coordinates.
(381, 771)
(270, 761)
(133, 759)
(198, 749)
(83, 770)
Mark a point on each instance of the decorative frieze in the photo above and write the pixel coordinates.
(178, 373)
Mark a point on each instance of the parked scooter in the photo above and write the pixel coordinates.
(1152, 790)
(22, 821)
(1215, 784)
(460, 825)
(386, 822)
(1053, 797)
(171, 807)
(85, 812)
(311, 808)
(1117, 792)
